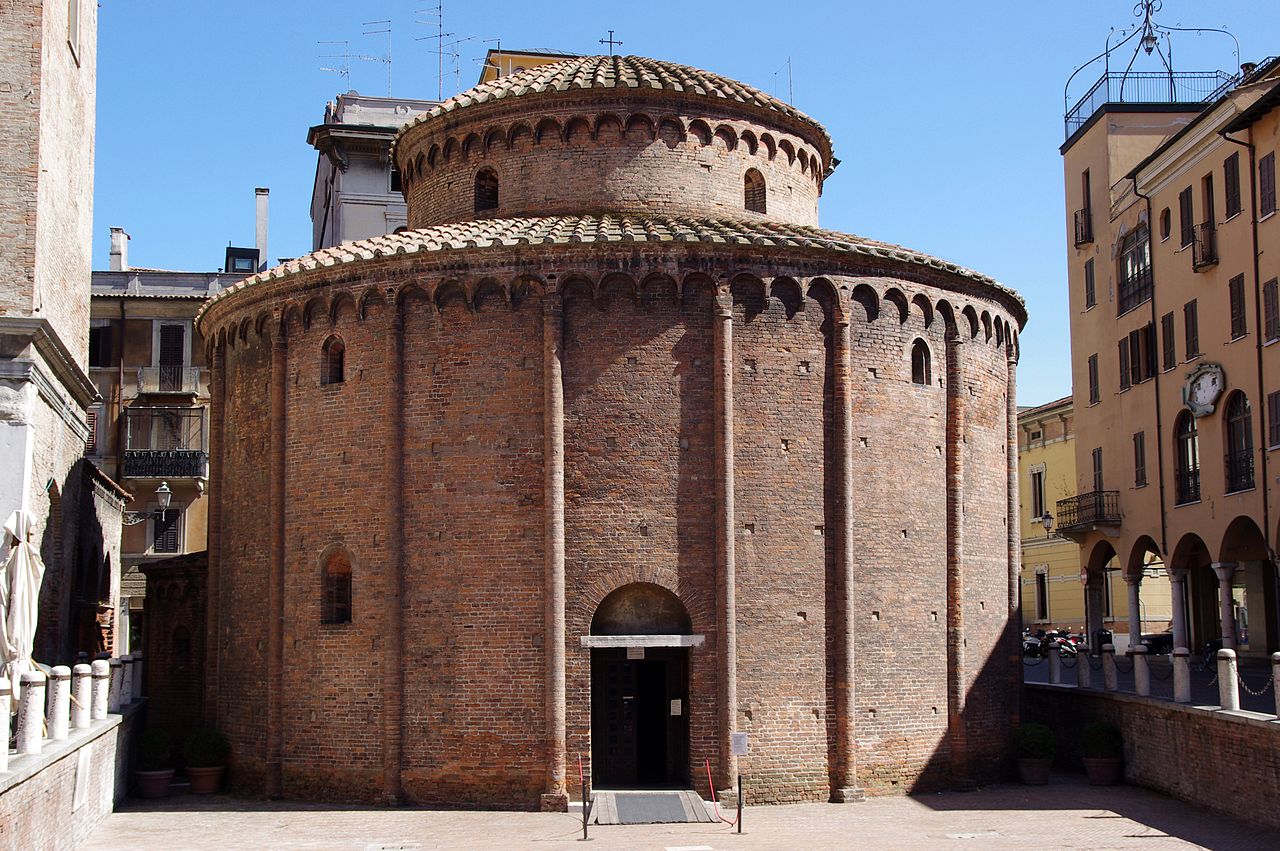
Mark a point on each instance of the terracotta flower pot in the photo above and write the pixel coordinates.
(1103, 771)
(1034, 772)
(205, 781)
(153, 784)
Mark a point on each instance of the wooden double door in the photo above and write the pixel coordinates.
(640, 718)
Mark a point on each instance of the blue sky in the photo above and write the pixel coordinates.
(947, 116)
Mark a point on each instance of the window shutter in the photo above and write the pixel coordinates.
(1267, 183)
(1093, 379)
(166, 531)
(1090, 294)
(172, 345)
(1192, 322)
(1231, 183)
(1273, 419)
(1236, 290)
(1135, 356)
(1139, 459)
(91, 444)
(1170, 349)
(1185, 223)
(1271, 308)
(1125, 378)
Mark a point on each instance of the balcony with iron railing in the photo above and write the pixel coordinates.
(1135, 288)
(1186, 486)
(165, 443)
(1084, 226)
(179, 380)
(1239, 470)
(1086, 510)
(1192, 88)
(1204, 247)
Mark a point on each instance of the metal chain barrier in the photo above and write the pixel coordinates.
(1095, 666)
(1072, 663)
(1167, 674)
(1266, 687)
(1123, 669)
(1032, 664)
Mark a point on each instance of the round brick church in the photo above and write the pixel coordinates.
(612, 455)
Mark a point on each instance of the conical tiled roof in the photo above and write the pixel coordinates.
(611, 72)
(606, 229)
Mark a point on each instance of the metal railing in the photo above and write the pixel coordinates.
(1146, 87)
(1134, 290)
(1239, 470)
(1084, 226)
(169, 379)
(1187, 486)
(165, 442)
(1204, 248)
(1087, 509)
(166, 464)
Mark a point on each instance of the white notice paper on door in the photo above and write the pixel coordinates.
(675, 706)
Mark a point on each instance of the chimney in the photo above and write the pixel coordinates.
(263, 197)
(119, 250)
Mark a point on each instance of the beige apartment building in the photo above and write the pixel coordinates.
(1174, 252)
(1052, 593)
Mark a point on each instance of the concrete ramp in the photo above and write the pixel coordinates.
(650, 807)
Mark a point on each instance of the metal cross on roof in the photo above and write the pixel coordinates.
(611, 42)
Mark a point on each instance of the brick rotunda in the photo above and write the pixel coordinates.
(612, 454)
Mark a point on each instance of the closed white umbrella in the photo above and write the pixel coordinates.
(20, 579)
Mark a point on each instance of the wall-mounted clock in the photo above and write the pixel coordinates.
(1202, 388)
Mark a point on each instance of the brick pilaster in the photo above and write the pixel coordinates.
(726, 595)
(554, 795)
(393, 656)
(275, 586)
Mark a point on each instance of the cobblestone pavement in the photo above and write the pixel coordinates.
(1067, 814)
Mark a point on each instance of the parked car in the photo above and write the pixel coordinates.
(1158, 643)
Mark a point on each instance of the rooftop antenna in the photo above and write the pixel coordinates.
(611, 42)
(435, 15)
(456, 56)
(381, 28)
(344, 70)
(497, 48)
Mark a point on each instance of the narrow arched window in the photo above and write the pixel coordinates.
(335, 595)
(486, 190)
(1187, 457)
(333, 361)
(1239, 443)
(754, 191)
(920, 368)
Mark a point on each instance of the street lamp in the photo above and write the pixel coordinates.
(163, 496)
(1047, 522)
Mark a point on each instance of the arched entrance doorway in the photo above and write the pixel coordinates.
(639, 689)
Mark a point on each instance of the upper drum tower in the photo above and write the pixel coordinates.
(622, 134)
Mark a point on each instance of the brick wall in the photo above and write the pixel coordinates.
(639, 507)
(1226, 762)
(667, 154)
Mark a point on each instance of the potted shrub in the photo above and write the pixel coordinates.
(1102, 749)
(1034, 744)
(205, 755)
(152, 768)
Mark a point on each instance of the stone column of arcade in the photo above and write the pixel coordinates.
(393, 662)
(725, 574)
(1013, 534)
(555, 797)
(275, 586)
(846, 783)
(1134, 584)
(1181, 666)
(1225, 571)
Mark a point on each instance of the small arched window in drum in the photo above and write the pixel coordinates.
(920, 371)
(333, 361)
(335, 596)
(754, 191)
(486, 190)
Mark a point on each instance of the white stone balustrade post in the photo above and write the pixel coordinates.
(1228, 679)
(100, 700)
(1181, 675)
(1275, 680)
(81, 695)
(31, 713)
(113, 689)
(1109, 667)
(126, 680)
(1084, 674)
(1141, 671)
(6, 695)
(59, 702)
(137, 676)
(1055, 665)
